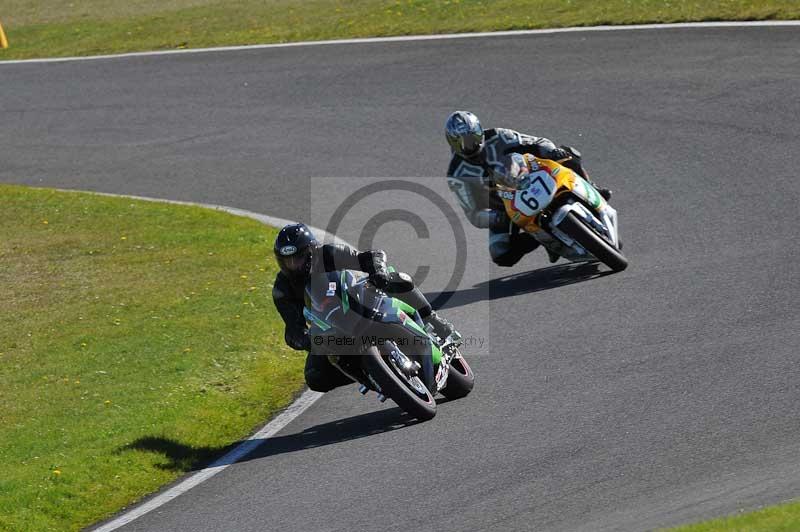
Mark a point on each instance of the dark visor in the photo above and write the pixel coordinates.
(294, 263)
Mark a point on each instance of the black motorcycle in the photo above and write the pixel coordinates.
(381, 343)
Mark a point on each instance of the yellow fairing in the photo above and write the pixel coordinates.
(565, 182)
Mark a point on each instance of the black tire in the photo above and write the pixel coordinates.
(397, 389)
(460, 380)
(593, 243)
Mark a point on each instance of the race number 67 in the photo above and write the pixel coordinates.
(529, 198)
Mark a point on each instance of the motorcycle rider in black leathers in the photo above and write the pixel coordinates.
(299, 256)
(480, 159)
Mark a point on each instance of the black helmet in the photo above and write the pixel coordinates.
(464, 133)
(294, 248)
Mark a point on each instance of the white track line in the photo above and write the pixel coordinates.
(308, 397)
(299, 406)
(407, 38)
(321, 234)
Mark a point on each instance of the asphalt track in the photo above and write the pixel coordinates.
(664, 394)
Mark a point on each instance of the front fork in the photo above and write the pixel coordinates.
(449, 348)
(605, 225)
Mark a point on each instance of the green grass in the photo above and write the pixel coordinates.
(125, 362)
(137, 341)
(63, 27)
(783, 518)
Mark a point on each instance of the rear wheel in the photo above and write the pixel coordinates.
(410, 394)
(460, 379)
(593, 243)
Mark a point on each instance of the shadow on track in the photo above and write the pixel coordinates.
(181, 457)
(523, 283)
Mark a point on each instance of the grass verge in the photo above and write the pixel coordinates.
(137, 341)
(783, 518)
(51, 28)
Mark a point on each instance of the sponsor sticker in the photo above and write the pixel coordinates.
(505, 194)
(331, 289)
(287, 250)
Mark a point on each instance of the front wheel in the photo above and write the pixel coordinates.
(593, 243)
(410, 394)
(460, 379)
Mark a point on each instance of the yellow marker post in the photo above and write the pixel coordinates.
(3, 40)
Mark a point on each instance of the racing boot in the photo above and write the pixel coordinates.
(441, 326)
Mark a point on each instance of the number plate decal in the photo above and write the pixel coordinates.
(537, 195)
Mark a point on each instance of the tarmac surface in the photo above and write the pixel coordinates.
(661, 395)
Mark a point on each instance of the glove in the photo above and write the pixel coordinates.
(380, 280)
(559, 154)
(572, 151)
(374, 263)
(298, 341)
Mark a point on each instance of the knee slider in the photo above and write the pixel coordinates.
(318, 381)
(499, 245)
(507, 259)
